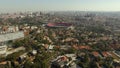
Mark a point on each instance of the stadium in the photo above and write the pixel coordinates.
(58, 25)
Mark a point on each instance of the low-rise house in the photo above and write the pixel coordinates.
(96, 54)
(34, 52)
(49, 47)
(64, 61)
(82, 47)
(65, 47)
(105, 54)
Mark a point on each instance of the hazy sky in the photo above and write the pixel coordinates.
(59, 5)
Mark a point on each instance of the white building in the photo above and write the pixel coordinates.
(11, 36)
(6, 37)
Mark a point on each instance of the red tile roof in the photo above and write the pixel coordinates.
(105, 54)
(81, 47)
(96, 54)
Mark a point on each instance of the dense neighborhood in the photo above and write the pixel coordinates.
(59, 40)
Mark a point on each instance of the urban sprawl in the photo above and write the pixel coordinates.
(60, 40)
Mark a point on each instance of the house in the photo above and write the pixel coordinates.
(96, 54)
(34, 52)
(64, 61)
(49, 47)
(105, 54)
(81, 47)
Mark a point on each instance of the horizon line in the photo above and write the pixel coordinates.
(57, 11)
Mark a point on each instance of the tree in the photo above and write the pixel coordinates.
(28, 64)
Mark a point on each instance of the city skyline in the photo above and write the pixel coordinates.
(59, 5)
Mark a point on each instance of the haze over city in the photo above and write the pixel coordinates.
(59, 5)
(59, 33)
